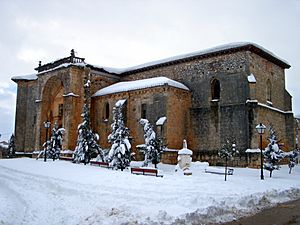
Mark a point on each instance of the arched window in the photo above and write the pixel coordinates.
(269, 91)
(215, 89)
(143, 111)
(106, 112)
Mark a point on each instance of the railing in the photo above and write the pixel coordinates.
(52, 65)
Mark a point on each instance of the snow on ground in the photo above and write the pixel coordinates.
(34, 192)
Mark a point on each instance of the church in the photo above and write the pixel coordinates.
(205, 97)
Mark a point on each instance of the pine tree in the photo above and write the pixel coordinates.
(153, 147)
(120, 153)
(86, 146)
(272, 154)
(11, 147)
(56, 142)
(227, 152)
(292, 159)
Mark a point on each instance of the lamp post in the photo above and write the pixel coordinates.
(47, 126)
(260, 128)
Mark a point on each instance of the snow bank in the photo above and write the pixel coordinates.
(34, 192)
(139, 84)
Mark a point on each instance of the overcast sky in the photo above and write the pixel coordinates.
(123, 33)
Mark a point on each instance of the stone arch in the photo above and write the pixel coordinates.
(215, 89)
(52, 105)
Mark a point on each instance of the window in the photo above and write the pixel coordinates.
(106, 113)
(215, 89)
(269, 90)
(60, 110)
(143, 111)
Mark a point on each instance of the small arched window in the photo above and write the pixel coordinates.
(215, 89)
(143, 111)
(106, 112)
(269, 91)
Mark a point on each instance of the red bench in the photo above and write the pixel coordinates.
(145, 171)
(65, 158)
(101, 164)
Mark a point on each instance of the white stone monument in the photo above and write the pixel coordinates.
(184, 159)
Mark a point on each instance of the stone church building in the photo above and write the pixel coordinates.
(205, 97)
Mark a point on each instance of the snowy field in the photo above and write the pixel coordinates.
(37, 193)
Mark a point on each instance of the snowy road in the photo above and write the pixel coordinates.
(37, 193)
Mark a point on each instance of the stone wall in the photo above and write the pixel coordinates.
(212, 122)
(264, 70)
(25, 116)
(160, 101)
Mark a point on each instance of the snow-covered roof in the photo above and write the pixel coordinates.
(202, 53)
(64, 65)
(161, 121)
(251, 78)
(139, 84)
(25, 77)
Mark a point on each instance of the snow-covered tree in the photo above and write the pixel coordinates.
(120, 152)
(11, 147)
(272, 153)
(227, 152)
(56, 142)
(46, 150)
(292, 159)
(153, 147)
(86, 146)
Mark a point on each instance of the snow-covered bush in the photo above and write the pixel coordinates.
(120, 152)
(11, 147)
(272, 153)
(227, 152)
(153, 147)
(86, 146)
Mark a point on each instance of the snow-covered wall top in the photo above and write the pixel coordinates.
(256, 48)
(35, 76)
(139, 84)
(25, 77)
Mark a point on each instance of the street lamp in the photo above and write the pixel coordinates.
(47, 126)
(260, 128)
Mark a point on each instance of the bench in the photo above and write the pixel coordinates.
(145, 171)
(219, 171)
(66, 158)
(101, 164)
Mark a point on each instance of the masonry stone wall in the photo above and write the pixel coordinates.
(25, 116)
(264, 70)
(160, 101)
(277, 111)
(212, 122)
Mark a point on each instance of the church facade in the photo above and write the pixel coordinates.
(204, 97)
